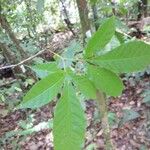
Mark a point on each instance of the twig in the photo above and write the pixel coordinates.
(30, 58)
(22, 62)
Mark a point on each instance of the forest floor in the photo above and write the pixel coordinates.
(32, 129)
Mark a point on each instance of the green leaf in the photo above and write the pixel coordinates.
(105, 80)
(146, 97)
(69, 122)
(43, 91)
(93, 2)
(112, 118)
(69, 54)
(101, 37)
(120, 37)
(129, 115)
(43, 70)
(129, 57)
(28, 131)
(85, 86)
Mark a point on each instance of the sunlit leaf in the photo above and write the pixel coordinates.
(69, 54)
(93, 2)
(129, 57)
(43, 70)
(101, 37)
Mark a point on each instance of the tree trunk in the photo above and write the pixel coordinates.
(145, 4)
(5, 25)
(83, 13)
(113, 3)
(95, 16)
(30, 18)
(142, 9)
(10, 58)
(66, 17)
(7, 52)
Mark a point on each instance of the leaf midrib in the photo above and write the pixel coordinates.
(123, 59)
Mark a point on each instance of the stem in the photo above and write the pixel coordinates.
(102, 102)
(6, 26)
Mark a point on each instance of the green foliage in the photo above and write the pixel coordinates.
(85, 86)
(120, 37)
(146, 97)
(42, 70)
(69, 121)
(129, 115)
(69, 54)
(9, 95)
(93, 2)
(105, 80)
(100, 72)
(26, 130)
(43, 91)
(101, 37)
(128, 57)
(112, 118)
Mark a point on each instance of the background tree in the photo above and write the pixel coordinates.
(84, 19)
(142, 9)
(95, 13)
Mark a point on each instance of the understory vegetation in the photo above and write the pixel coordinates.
(74, 74)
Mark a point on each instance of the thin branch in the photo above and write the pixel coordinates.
(32, 57)
(28, 59)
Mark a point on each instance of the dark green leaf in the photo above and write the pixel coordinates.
(105, 80)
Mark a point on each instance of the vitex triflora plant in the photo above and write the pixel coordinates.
(99, 77)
